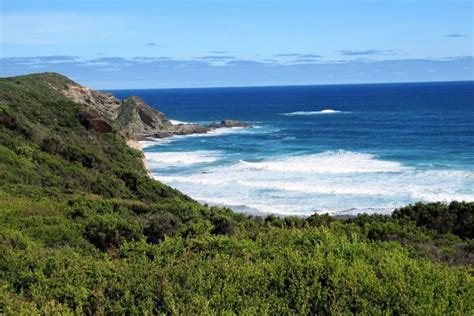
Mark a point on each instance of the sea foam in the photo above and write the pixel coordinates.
(338, 182)
(172, 159)
(150, 142)
(326, 162)
(304, 113)
(176, 122)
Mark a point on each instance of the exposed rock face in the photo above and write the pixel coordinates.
(133, 116)
(92, 121)
(104, 103)
(229, 123)
(185, 129)
(100, 125)
(139, 119)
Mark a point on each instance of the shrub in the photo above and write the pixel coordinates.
(161, 225)
(457, 218)
(223, 225)
(317, 220)
(109, 231)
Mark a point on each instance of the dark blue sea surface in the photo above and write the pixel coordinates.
(337, 148)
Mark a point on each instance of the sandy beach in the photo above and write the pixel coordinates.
(136, 145)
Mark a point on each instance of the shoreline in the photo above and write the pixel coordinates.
(135, 144)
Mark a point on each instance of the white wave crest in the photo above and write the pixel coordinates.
(317, 188)
(303, 113)
(150, 142)
(327, 162)
(147, 143)
(225, 130)
(215, 132)
(172, 159)
(176, 122)
(253, 208)
(339, 182)
(195, 180)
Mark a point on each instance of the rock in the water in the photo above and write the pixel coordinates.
(185, 129)
(229, 123)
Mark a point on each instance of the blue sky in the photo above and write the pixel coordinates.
(177, 43)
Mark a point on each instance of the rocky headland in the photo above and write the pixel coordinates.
(133, 116)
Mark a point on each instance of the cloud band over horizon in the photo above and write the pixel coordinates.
(212, 71)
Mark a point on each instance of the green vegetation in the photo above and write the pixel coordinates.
(84, 230)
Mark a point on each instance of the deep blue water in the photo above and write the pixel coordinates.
(339, 149)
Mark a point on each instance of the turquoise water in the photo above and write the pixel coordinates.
(341, 149)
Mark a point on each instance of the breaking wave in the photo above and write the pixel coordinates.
(327, 162)
(176, 122)
(304, 113)
(338, 182)
(150, 142)
(171, 159)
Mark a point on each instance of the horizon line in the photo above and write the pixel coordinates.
(288, 85)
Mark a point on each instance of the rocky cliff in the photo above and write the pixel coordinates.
(139, 119)
(105, 104)
(132, 115)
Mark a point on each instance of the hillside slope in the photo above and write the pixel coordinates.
(84, 230)
(49, 148)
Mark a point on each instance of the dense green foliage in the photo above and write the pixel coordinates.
(456, 218)
(83, 229)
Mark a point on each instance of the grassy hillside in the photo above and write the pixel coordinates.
(84, 230)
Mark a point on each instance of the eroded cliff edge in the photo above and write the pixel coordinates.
(134, 117)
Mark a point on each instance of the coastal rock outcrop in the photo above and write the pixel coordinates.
(104, 103)
(229, 123)
(133, 116)
(138, 119)
(185, 129)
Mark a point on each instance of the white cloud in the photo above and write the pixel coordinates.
(120, 72)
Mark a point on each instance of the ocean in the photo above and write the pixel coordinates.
(338, 149)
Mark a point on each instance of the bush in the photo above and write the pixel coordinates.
(457, 218)
(109, 231)
(223, 225)
(317, 220)
(161, 225)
